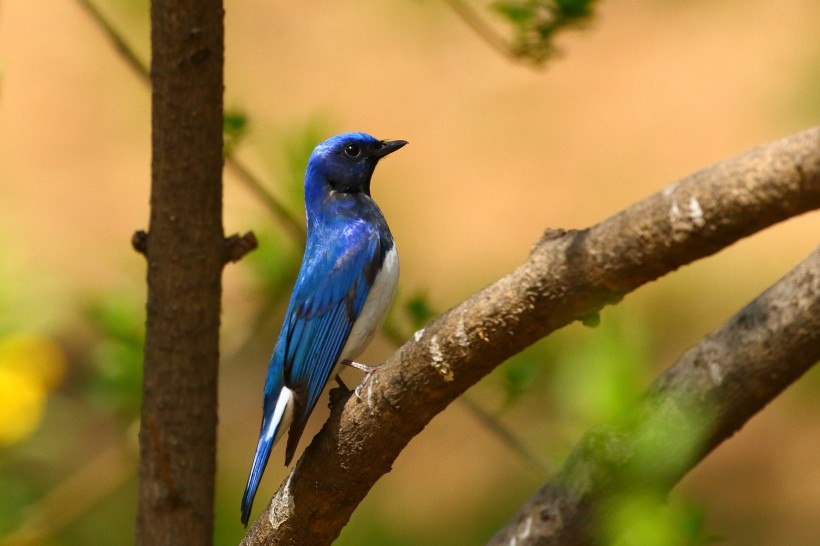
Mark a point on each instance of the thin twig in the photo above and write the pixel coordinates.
(507, 437)
(294, 227)
(118, 41)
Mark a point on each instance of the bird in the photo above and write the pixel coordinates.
(346, 285)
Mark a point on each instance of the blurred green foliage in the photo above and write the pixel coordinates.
(234, 129)
(408, 315)
(535, 23)
(583, 378)
(588, 376)
(526, 373)
(646, 520)
(17, 494)
(596, 380)
(115, 357)
(273, 267)
(418, 309)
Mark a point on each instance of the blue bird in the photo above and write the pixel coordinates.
(344, 289)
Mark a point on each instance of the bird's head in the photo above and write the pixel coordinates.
(344, 163)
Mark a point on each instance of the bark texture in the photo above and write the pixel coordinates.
(186, 250)
(570, 275)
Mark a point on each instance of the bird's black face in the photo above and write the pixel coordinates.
(350, 161)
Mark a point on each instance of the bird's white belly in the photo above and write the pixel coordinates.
(375, 307)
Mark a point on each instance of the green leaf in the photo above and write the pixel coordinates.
(573, 9)
(119, 316)
(117, 380)
(536, 22)
(600, 377)
(516, 12)
(234, 129)
(116, 356)
(273, 264)
(418, 309)
(641, 518)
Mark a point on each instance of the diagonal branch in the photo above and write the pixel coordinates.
(712, 391)
(117, 40)
(481, 28)
(568, 276)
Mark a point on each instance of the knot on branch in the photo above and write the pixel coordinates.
(551, 234)
(236, 246)
(139, 240)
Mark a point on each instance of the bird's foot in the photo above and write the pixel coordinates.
(358, 390)
(368, 371)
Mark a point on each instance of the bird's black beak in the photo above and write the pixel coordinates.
(388, 147)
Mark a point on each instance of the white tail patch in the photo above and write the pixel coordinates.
(282, 415)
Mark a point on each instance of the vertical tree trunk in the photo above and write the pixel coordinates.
(185, 250)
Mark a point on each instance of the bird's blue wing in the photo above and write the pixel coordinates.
(329, 296)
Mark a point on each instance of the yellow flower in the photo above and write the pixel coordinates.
(30, 366)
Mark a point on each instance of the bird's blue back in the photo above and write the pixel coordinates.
(347, 240)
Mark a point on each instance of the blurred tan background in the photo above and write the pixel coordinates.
(647, 94)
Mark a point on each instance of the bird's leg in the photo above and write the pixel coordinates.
(337, 396)
(341, 383)
(368, 371)
(359, 366)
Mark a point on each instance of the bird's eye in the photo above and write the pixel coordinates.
(353, 150)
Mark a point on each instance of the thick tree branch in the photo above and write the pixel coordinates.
(712, 391)
(568, 276)
(185, 247)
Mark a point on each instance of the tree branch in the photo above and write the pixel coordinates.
(568, 276)
(117, 40)
(236, 246)
(707, 396)
(185, 247)
(481, 28)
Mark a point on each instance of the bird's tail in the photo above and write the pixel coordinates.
(274, 423)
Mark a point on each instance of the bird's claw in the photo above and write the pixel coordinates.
(368, 371)
(358, 390)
